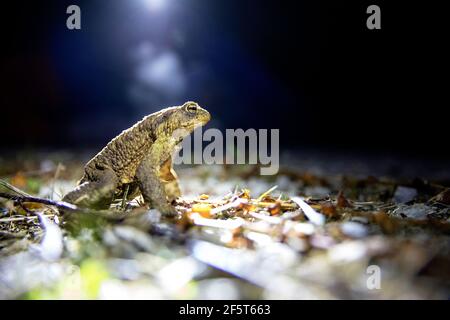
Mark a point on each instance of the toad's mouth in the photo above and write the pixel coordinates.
(192, 126)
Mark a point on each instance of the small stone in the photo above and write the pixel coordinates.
(417, 211)
(353, 229)
(404, 194)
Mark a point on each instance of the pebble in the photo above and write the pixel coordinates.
(404, 194)
(354, 229)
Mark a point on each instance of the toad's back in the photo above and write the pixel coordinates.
(124, 153)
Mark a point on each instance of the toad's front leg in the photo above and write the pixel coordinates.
(152, 187)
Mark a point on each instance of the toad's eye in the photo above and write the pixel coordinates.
(191, 108)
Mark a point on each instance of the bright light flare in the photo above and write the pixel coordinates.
(156, 5)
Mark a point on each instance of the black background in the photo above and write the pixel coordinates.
(310, 68)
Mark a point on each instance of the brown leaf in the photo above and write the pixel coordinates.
(203, 209)
(329, 210)
(342, 202)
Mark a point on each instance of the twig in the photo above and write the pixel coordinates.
(55, 177)
(58, 204)
(125, 195)
(266, 193)
(11, 219)
(10, 235)
(10, 187)
(65, 206)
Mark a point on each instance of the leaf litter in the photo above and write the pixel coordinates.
(237, 236)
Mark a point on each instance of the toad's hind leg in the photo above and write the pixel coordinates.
(97, 194)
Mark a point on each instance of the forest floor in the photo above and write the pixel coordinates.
(301, 234)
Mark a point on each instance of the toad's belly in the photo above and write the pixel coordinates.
(127, 174)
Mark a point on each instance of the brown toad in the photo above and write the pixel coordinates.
(140, 159)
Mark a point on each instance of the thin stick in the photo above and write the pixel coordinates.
(266, 193)
(22, 218)
(10, 235)
(10, 187)
(59, 204)
(125, 195)
(108, 214)
(55, 177)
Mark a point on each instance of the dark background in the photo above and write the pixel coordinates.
(310, 68)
